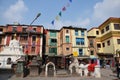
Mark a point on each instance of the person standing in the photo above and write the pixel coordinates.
(118, 69)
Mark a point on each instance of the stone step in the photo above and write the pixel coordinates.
(61, 72)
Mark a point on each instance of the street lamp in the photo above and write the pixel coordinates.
(38, 15)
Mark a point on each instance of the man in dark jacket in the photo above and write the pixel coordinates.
(118, 69)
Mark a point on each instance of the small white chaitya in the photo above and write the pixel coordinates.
(10, 54)
(86, 69)
(81, 68)
(97, 71)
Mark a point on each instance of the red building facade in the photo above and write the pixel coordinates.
(30, 37)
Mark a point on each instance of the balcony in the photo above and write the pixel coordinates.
(52, 44)
(79, 46)
(23, 41)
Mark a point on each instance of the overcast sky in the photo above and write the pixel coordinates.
(78, 13)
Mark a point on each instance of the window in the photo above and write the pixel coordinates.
(67, 31)
(0, 39)
(33, 49)
(80, 52)
(24, 29)
(79, 41)
(76, 32)
(1, 29)
(53, 42)
(82, 33)
(102, 31)
(67, 39)
(33, 41)
(98, 45)
(97, 32)
(92, 52)
(9, 61)
(91, 43)
(108, 43)
(34, 29)
(33, 38)
(117, 26)
(52, 34)
(53, 50)
(14, 29)
(118, 41)
(103, 44)
(67, 49)
(23, 38)
(107, 28)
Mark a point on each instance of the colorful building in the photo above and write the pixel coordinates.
(29, 36)
(66, 41)
(107, 38)
(77, 39)
(52, 45)
(2, 37)
(92, 47)
(61, 44)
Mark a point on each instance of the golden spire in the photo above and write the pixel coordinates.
(15, 36)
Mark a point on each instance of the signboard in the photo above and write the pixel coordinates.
(75, 53)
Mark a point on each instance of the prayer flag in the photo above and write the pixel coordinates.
(64, 8)
(68, 5)
(52, 22)
(60, 14)
(57, 18)
(70, 0)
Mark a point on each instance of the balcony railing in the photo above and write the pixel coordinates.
(53, 44)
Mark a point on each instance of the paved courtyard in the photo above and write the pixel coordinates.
(107, 74)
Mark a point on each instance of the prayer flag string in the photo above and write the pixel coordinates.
(64, 8)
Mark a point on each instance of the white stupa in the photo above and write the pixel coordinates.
(11, 54)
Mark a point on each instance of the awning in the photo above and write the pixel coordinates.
(93, 57)
(104, 54)
(83, 57)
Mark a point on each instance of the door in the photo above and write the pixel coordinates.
(80, 52)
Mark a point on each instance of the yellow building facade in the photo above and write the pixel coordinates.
(107, 37)
(80, 49)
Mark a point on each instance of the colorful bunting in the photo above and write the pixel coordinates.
(68, 5)
(52, 22)
(60, 13)
(57, 18)
(64, 9)
(70, 0)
